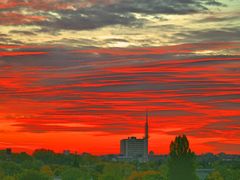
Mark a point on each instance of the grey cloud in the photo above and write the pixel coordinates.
(159, 6)
(27, 33)
(214, 3)
(87, 19)
(218, 19)
(120, 13)
(221, 35)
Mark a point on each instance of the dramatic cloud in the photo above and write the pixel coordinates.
(162, 7)
(76, 72)
(106, 91)
(111, 22)
(88, 19)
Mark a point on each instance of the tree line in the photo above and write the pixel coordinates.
(181, 164)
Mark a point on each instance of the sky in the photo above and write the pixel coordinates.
(80, 75)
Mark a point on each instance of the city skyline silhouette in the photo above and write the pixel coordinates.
(80, 74)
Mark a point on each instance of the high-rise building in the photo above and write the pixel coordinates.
(146, 139)
(134, 148)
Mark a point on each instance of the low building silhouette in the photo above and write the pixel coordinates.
(133, 148)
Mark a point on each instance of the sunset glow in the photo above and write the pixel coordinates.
(79, 75)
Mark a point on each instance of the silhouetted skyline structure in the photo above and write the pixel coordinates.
(134, 148)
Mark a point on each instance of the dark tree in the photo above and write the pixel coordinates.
(181, 160)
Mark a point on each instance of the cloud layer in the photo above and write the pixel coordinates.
(85, 71)
(117, 23)
(187, 88)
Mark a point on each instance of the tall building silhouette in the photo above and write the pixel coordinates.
(133, 148)
(146, 138)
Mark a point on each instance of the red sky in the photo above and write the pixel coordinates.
(80, 74)
(86, 100)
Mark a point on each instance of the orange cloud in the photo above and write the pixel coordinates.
(6, 53)
(103, 97)
(12, 18)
